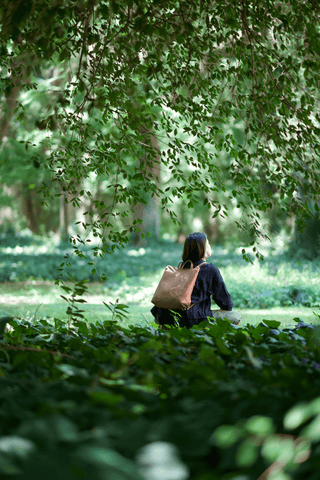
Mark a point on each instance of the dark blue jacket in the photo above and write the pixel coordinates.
(209, 284)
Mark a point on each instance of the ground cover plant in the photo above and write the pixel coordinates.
(103, 401)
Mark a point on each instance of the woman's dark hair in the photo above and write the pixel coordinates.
(194, 247)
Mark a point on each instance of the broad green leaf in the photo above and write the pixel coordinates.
(297, 416)
(226, 435)
(106, 397)
(15, 446)
(260, 425)
(278, 448)
(247, 453)
(71, 370)
(112, 463)
(3, 322)
(312, 431)
(272, 323)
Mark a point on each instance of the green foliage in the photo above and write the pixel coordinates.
(18, 166)
(306, 244)
(23, 257)
(9, 237)
(75, 296)
(88, 401)
(118, 310)
(273, 296)
(3, 323)
(20, 178)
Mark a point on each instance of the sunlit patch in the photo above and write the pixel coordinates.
(160, 461)
(136, 253)
(197, 223)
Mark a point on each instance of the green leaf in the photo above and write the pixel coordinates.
(106, 397)
(280, 448)
(222, 347)
(71, 371)
(260, 425)
(3, 322)
(312, 431)
(272, 323)
(256, 362)
(247, 454)
(110, 462)
(225, 436)
(65, 53)
(16, 447)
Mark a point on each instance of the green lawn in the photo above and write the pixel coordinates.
(42, 299)
(277, 289)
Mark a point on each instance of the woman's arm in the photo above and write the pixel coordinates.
(220, 310)
(220, 294)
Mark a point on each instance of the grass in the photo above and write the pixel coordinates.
(276, 289)
(42, 299)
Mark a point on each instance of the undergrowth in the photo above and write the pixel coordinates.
(101, 401)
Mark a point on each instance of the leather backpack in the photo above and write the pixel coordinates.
(175, 287)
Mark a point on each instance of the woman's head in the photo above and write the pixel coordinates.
(196, 246)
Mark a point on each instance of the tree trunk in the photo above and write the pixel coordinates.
(11, 95)
(29, 210)
(64, 219)
(211, 228)
(149, 212)
(7, 113)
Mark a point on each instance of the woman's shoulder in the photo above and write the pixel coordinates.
(210, 267)
(208, 264)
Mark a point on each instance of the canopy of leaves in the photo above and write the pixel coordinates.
(133, 72)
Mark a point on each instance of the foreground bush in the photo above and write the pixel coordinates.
(103, 402)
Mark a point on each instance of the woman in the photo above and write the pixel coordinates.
(209, 284)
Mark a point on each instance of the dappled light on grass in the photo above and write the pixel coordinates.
(26, 299)
(136, 294)
(136, 252)
(273, 271)
(33, 293)
(283, 314)
(273, 283)
(272, 290)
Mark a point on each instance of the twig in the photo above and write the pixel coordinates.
(145, 319)
(85, 34)
(34, 317)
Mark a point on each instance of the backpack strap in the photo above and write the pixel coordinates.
(182, 264)
(198, 266)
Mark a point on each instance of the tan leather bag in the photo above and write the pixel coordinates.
(175, 287)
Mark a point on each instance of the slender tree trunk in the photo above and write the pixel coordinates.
(211, 228)
(64, 219)
(29, 210)
(7, 113)
(10, 100)
(149, 212)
